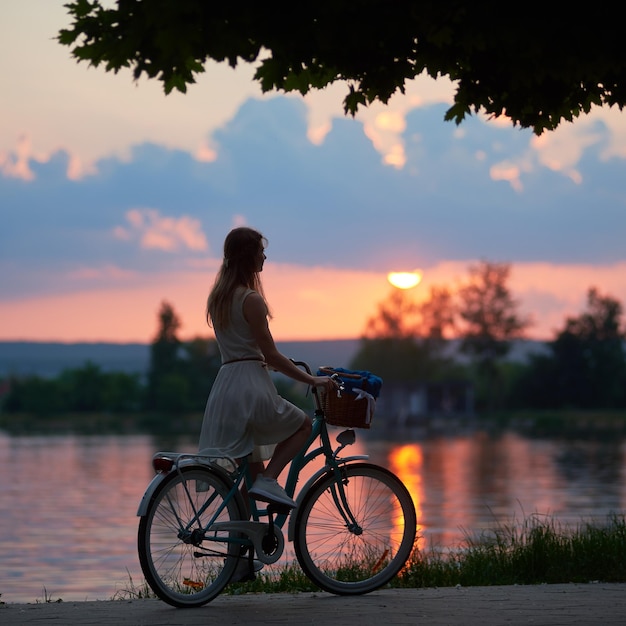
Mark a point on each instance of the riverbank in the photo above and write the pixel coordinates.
(572, 604)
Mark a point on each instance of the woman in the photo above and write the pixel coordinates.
(244, 413)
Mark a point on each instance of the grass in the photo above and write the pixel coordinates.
(537, 550)
(134, 592)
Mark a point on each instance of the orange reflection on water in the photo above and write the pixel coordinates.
(406, 463)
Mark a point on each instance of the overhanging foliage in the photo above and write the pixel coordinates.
(538, 64)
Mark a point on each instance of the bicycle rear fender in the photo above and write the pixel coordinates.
(147, 496)
(182, 463)
(309, 483)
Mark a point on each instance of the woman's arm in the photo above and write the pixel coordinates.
(255, 312)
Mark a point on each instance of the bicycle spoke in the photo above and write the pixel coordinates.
(184, 565)
(342, 557)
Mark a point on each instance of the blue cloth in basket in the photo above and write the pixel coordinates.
(366, 381)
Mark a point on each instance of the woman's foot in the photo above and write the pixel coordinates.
(268, 490)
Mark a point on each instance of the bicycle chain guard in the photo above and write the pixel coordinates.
(259, 534)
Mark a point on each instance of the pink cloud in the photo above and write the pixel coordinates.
(16, 164)
(156, 232)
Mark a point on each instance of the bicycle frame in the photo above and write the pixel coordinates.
(254, 529)
(332, 463)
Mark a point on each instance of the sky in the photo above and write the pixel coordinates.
(115, 197)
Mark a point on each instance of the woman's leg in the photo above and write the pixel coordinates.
(256, 468)
(286, 450)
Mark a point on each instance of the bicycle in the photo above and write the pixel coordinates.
(353, 528)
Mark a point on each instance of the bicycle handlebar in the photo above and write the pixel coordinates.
(305, 366)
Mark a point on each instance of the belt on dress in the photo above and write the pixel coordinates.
(245, 358)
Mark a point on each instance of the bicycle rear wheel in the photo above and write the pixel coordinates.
(184, 565)
(347, 559)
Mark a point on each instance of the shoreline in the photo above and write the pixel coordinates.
(581, 604)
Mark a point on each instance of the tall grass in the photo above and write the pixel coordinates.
(537, 550)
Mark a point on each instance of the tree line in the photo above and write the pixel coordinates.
(582, 367)
(178, 380)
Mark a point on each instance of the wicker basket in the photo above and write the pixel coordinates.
(346, 410)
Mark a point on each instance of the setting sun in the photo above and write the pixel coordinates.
(405, 280)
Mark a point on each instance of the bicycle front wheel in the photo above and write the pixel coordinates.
(186, 564)
(360, 547)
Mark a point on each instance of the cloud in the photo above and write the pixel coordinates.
(507, 171)
(155, 232)
(481, 190)
(385, 132)
(383, 124)
(562, 151)
(16, 164)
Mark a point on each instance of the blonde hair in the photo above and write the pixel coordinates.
(242, 247)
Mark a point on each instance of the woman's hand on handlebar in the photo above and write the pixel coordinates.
(325, 382)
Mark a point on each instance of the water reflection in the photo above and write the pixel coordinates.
(405, 461)
(68, 504)
(67, 522)
(464, 485)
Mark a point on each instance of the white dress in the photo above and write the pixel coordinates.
(244, 413)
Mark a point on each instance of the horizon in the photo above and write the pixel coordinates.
(49, 359)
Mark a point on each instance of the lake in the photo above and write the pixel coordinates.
(68, 503)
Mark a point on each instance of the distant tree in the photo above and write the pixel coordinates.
(200, 362)
(393, 359)
(169, 325)
(36, 395)
(489, 317)
(403, 340)
(181, 373)
(388, 345)
(122, 392)
(83, 388)
(171, 394)
(75, 390)
(165, 361)
(585, 366)
(489, 321)
(397, 317)
(437, 317)
(538, 66)
(589, 356)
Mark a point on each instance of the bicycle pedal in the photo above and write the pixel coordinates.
(246, 571)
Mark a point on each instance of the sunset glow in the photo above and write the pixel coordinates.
(405, 280)
(307, 303)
